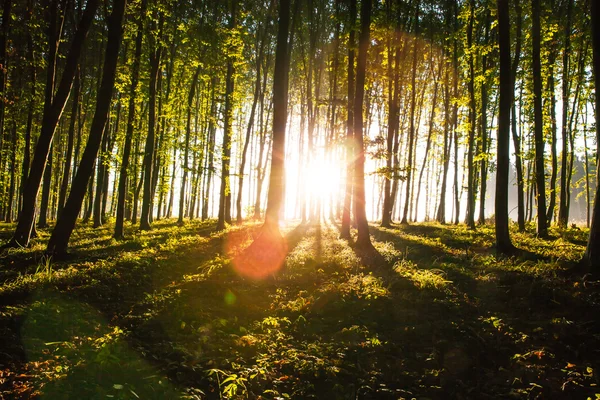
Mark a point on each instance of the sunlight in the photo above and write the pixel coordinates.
(316, 180)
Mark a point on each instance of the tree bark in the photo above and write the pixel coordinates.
(542, 227)
(149, 151)
(503, 242)
(51, 116)
(135, 76)
(591, 257)
(225, 195)
(345, 227)
(363, 240)
(64, 226)
(186, 151)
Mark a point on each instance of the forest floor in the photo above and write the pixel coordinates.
(431, 314)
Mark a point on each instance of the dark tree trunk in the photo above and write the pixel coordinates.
(101, 162)
(363, 240)
(280, 82)
(249, 131)
(13, 169)
(591, 258)
(51, 116)
(411, 133)
(124, 172)
(186, 151)
(210, 150)
(64, 226)
(542, 227)
(70, 142)
(515, 135)
(225, 195)
(563, 209)
(470, 217)
(345, 227)
(47, 183)
(503, 242)
(149, 151)
(483, 165)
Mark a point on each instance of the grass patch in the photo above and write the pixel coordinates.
(163, 314)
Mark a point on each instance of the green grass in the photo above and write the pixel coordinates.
(433, 313)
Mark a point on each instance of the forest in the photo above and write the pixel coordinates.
(290, 199)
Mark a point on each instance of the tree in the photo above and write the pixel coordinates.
(363, 240)
(503, 242)
(411, 134)
(542, 227)
(188, 132)
(266, 254)
(225, 196)
(124, 172)
(591, 257)
(150, 147)
(345, 227)
(66, 222)
(51, 116)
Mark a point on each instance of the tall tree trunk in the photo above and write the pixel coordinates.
(553, 149)
(249, 129)
(470, 218)
(483, 165)
(542, 227)
(515, 135)
(186, 151)
(429, 137)
(70, 142)
(149, 152)
(135, 76)
(563, 209)
(591, 257)
(345, 227)
(411, 133)
(225, 194)
(51, 116)
(101, 163)
(64, 226)
(280, 82)
(210, 150)
(363, 240)
(388, 200)
(43, 217)
(13, 169)
(503, 242)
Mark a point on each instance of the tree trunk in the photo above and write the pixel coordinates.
(515, 135)
(210, 149)
(542, 227)
(345, 227)
(149, 151)
(503, 242)
(43, 217)
(225, 194)
(70, 142)
(186, 151)
(411, 134)
(363, 240)
(470, 217)
(563, 209)
(13, 169)
(51, 116)
(591, 257)
(64, 226)
(249, 130)
(135, 76)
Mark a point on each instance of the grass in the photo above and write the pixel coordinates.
(434, 313)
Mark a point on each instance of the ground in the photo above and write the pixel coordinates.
(433, 313)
